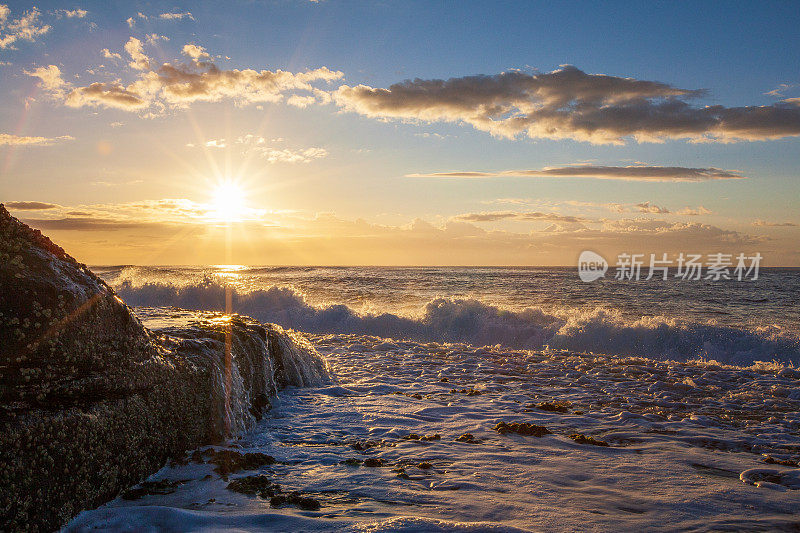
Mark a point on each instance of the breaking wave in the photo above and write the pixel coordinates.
(599, 330)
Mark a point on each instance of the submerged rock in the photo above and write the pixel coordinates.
(523, 428)
(580, 438)
(91, 402)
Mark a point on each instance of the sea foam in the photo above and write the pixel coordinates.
(591, 329)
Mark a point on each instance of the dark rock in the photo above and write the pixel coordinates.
(580, 438)
(260, 485)
(468, 392)
(91, 402)
(783, 462)
(523, 428)
(556, 407)
(425, 465)
(295, 498)
(351, 462)
(230, 461)
(469, 438)
(147, 488)
(374, 462)
(415, 436)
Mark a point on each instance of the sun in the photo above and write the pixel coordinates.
(228, 202)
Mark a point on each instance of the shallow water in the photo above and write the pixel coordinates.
(688, 445)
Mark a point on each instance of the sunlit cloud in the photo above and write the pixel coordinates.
(176, 16)
(28, 27)
(71, 13)
(108, 54)
(177, 85)
(494, 216)
(571, 104)
(254, 144)
(139, 60)
(7, 139)
(324, 235)
(629, 173)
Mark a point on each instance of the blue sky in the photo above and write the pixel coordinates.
(325, 180)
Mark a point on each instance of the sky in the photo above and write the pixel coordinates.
(402, 133)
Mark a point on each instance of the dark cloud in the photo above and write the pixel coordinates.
(571, 104)
(633, 172)
(30, 206)
(494, 216)
(89, 224)
(764, 223)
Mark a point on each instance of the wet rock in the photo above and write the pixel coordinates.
(91, 402)
(364, 445)
(147, 488)
(415, 436)
(295, 498)
(580, 438)
(231, 461)
(783, 462)
(425, 465)
(260, 485)
(374, 462)
(523, 428)
(556, 407)
(351, 462)
(468, 392)
(469, 438)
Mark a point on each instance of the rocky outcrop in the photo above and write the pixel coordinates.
(92, 402)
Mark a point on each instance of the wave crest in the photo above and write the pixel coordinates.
(470, 321)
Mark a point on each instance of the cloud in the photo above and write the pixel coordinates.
(764, 223)
(7, 139)
(26, 28)
(177, 85)
(107, 95)
(259, 145)
(631, 173)
(139, 60)
(693, 211)
(195, 52)
(71, 13)
(30, 206)
(108, 54)
(494, 216)
(647, 207)
(571, 104)
(176, 16)
(50, 80)
(77, 223)
(131, 22)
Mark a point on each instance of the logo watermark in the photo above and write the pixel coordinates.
(714, 267)
(591, 266)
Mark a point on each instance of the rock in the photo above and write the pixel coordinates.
(580, 438)
(295, 498)
(469, 438)
(92, 403)
(415, 436)
(425, 465)
(374, 462)
(147, 488)
(230, 461)
(523, 428)
(260, 485)
(556, 407)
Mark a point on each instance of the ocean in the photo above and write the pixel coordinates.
(651, 405)
(736, 322)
